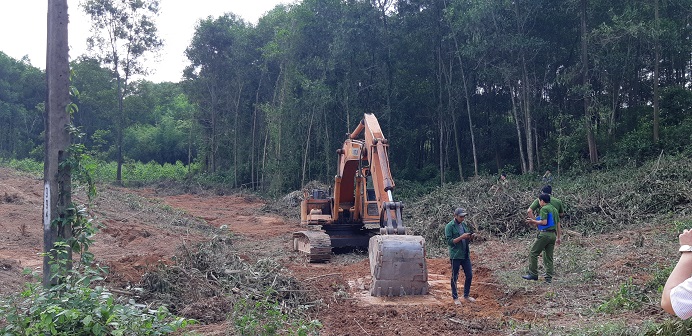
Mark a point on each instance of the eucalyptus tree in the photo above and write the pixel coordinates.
(504, 43)
(586, 83)
(466, 84)
(295, 55)
(96, 105)
(318, 119)
(657, 67)
(671, 32)
(426, 88)
(164, 135)
(220, 82)
(627, 53)
(123, 34)
(22, 96)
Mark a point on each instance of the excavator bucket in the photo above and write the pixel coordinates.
(397, 265)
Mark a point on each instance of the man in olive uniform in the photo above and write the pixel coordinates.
(548, 224)
(458, 234)
(555, 202)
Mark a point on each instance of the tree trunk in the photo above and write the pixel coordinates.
(657, 61)
(559, 148)
(468, 107)
(212, 136)
(441, 73)
(119, 132)
(457, 146)
(524, 169)
(307, 148)
(588, 124)
(525, 95)
(254, 177)
(535, 138)
(56, 177)
(327, 142)
(236, 128)
(264, 158)
(189, 148)
(527, 115)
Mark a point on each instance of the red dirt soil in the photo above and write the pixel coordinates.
(134, 239)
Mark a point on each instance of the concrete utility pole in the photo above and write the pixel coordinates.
(57, 191)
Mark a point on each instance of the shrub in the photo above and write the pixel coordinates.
(75, 308)
(76, 305)
(629, 297)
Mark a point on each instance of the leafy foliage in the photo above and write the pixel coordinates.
(628, 297)
(25, 165)
(74, 302)
(22, 96)
(675, 327)
(79, 308)
(78, 304)
(265, 318)
(265, 106)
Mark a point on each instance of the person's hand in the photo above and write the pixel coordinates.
(557, 241)
(686, 237)
(529, 220)
(466, 236)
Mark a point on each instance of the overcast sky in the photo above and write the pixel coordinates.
(23, 29)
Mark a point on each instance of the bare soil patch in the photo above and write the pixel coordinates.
(144, 227)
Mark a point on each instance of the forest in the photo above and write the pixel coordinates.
(461, 89)
(596, 91)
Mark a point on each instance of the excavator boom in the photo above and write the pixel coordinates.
(361, 213)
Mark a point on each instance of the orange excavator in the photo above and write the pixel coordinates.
(360, 212)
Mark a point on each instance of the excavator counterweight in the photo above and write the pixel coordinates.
(360, 212)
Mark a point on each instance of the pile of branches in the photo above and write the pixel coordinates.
(596, 202)
(491, 211)
(209, 280)
(613, 200)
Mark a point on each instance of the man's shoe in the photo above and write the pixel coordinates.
(530, 277)
(548, 280)
(457, 302)
(469, 299)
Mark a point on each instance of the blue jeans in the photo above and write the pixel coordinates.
(466, 266)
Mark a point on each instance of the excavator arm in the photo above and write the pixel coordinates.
(397, 260)
(362, 196)
(377, 157)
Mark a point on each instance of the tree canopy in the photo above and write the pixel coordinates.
(460, 88)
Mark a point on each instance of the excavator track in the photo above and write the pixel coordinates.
(316, 244)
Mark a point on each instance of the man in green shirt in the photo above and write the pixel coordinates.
(548, 224)
(555, 202)
(458, 235)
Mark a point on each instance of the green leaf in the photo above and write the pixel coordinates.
(87, 320)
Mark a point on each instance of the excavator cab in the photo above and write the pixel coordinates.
(361, 213)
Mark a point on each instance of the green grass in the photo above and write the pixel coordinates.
(24, 165)
(132, 172)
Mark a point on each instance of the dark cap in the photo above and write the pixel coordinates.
(547, 190)
(460, 212)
